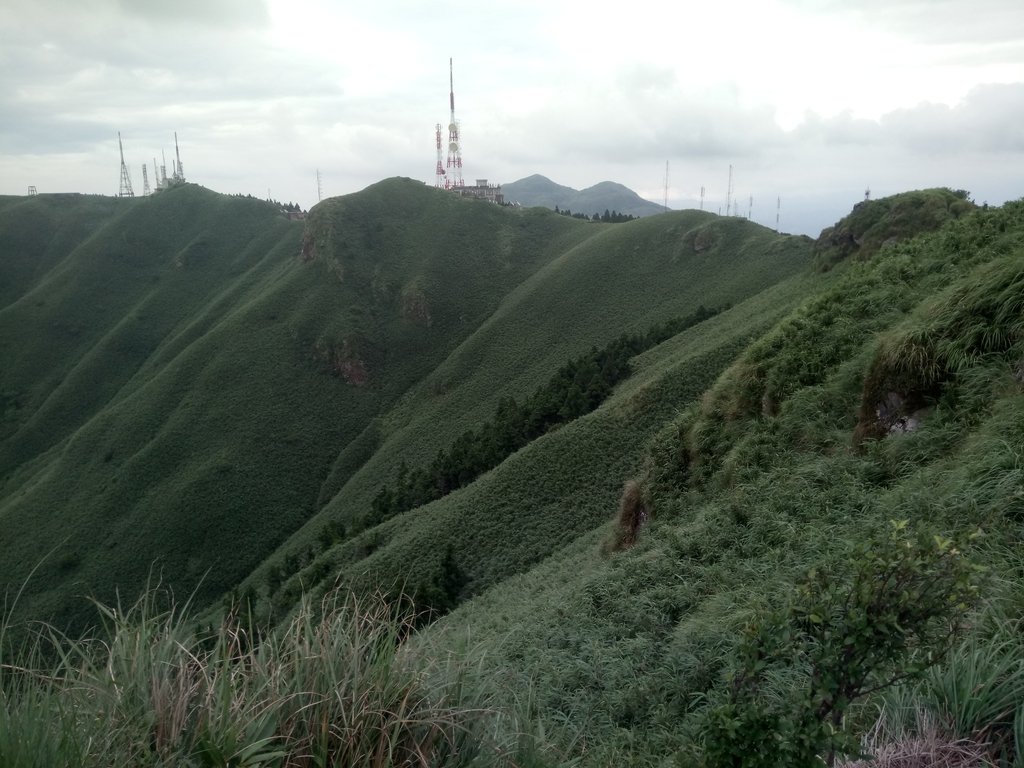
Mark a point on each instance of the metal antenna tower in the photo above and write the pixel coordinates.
(126, 180)
(179, 171)
(666, 186)
(702, 197)
(319, 186)
(778, 207)
(145, 181)
(750, 208)
(163, 171)
(439, 175)
(453, 177)
(728, 193)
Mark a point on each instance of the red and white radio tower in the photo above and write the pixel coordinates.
(439, 174)
(453, 175)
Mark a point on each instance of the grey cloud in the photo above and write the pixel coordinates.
(30, 130)
(990, 118)
(68, 83)
(642, 116)
(840, 130)
(236, 14)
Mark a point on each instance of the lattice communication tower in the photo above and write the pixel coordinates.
(453, 172)
(179, 170)
(126, 180)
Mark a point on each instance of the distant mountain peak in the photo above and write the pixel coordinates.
(538, 190)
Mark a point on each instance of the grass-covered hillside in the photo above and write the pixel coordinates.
(891, 394)
(192, 381)
(679, 491)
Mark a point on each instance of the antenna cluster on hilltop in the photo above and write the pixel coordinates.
(159, 172)
(448, 172)
(732, 201)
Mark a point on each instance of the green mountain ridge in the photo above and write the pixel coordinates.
(194, 388)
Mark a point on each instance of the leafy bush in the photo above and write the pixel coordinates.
(844, 636)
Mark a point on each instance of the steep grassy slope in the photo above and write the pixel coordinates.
(36, 232)
(181, 381)
(892, 391)
(624, 278)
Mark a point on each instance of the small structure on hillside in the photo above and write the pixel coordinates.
(482, 191)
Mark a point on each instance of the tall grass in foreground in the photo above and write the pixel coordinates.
(336, 687)
(976, 696)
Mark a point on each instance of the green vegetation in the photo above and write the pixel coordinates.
(199, 385)
(579, 387)
(846, 637)
(608, 217)
(875, 224)
(769, 476)
(179, 383)
(687, 571)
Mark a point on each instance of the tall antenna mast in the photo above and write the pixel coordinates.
(454, 175)
(666, 186)
(702, 197)
(145, 181)
(179, 173)
(778, 207)
(439, 175)
(163, 171)
(126, 180)
(750, 208)
(728, 193)
(319, 186)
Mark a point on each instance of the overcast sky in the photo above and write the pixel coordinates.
(811, 102)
